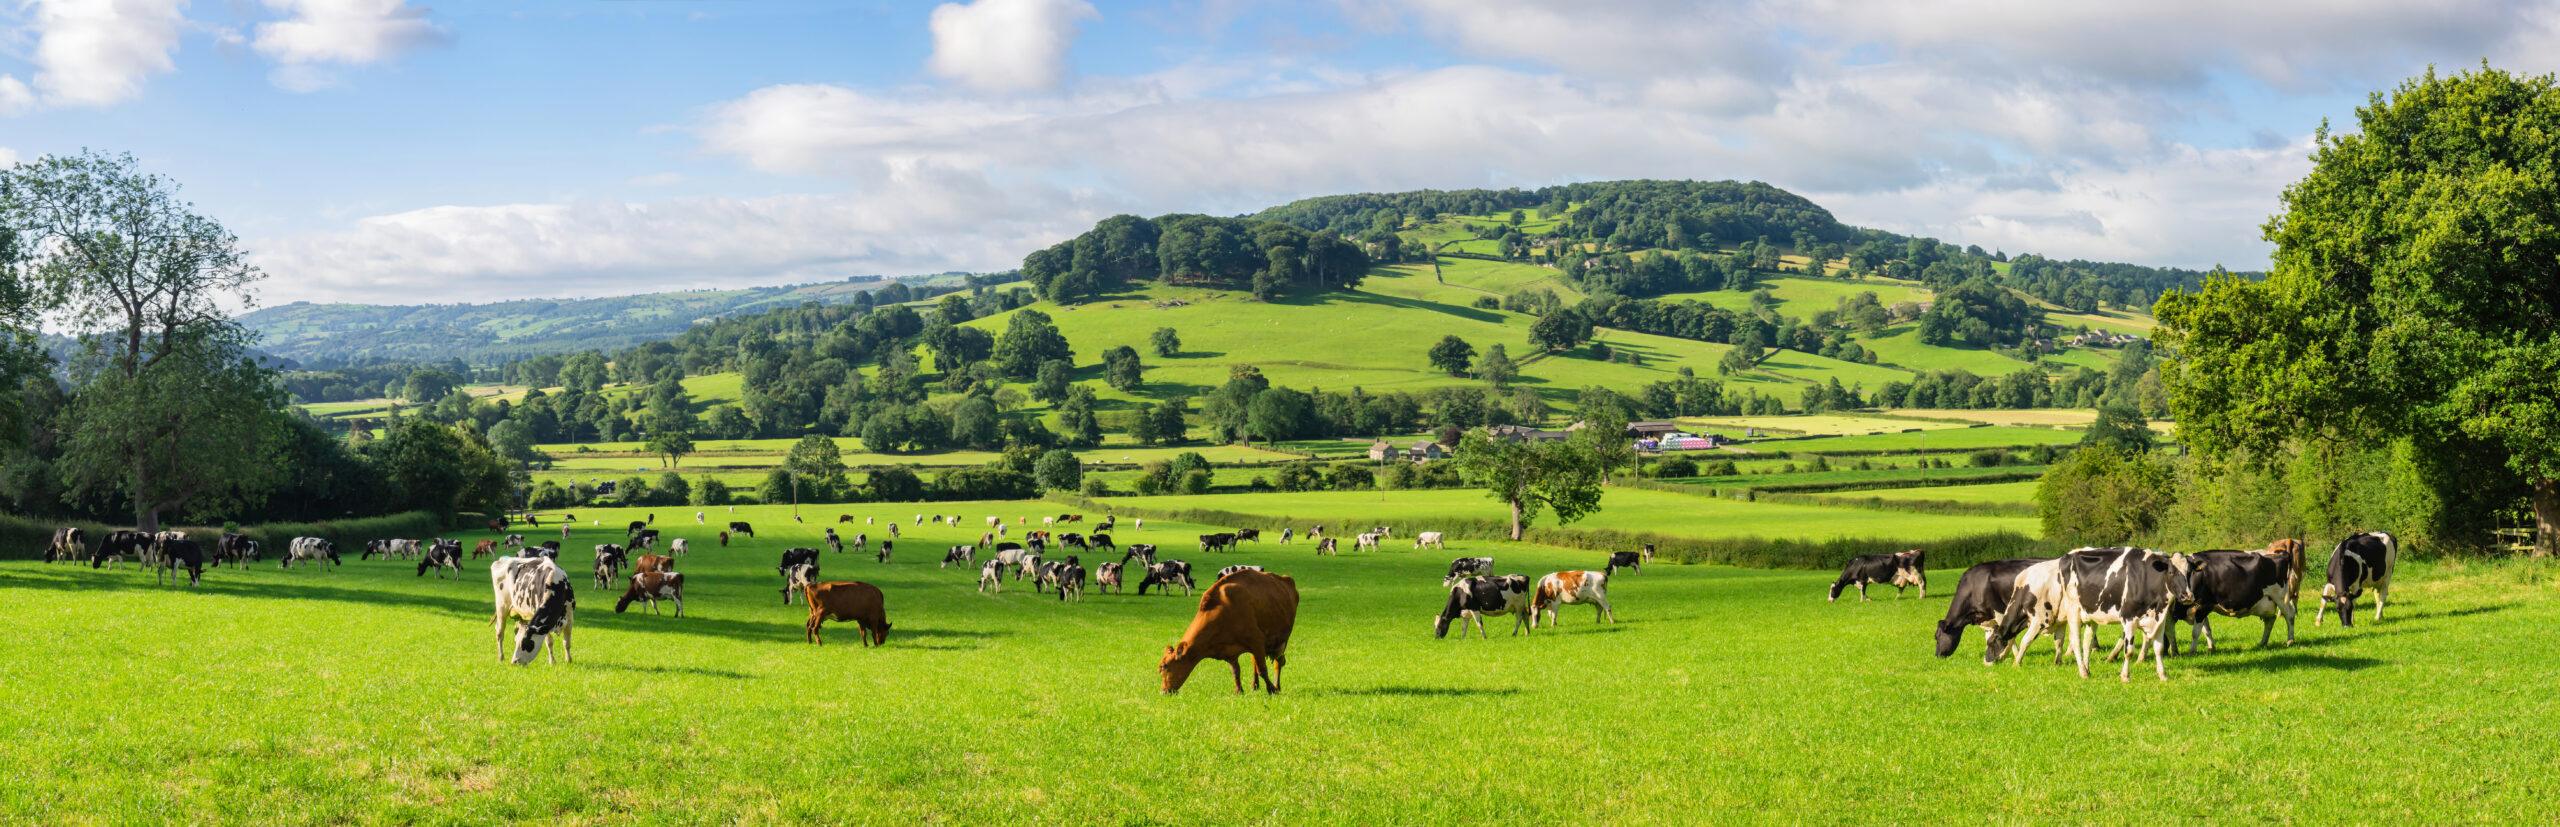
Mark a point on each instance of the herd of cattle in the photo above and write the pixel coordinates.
(2143, 591)
(1246, 611)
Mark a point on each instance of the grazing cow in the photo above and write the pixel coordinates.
(1166, 575)
(2292, 552)
(653, 586)
(1901, 569)
(1217, 542)
(842, 519)
(2131, 587)
(1143, 554)
(635, 527)
(850, 601)
(1982, 593)
(151, 553)
(1429, 539)
(69, 543)
(310, 550)
(834, 543)
(1249, 614)
(119, 546)
(564, 531)
(236, 549)
(795, 557)
(995, 521)
(1028, 565)
(963, 555)
(549, 550)
(1014, 556)
(1222, 573)
(796, 578)
(724, 539)
(1625, 560)
(1325, 546)
(180, 555)
(1465, 567)
(646, 538)
(991, 577)
(1101, 541)
(1075, 540)
(1366, 541)
(893, 531)
(676, 548)
(1069, 578)
(1476, 598)
(2360, 560)
(884, 550)
(484, 548)
(535, 592)
(1243, 534)
(740, 527)
(698, 518)
(446, 556)
(2236, 584)
(654, 562)
(1648, 552)
(1107, 577)
(1287, 533)
(1573, 587)
(609, 560)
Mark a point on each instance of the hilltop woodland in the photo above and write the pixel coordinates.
(984, 364)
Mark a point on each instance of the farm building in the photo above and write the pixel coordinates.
(1651, 429)
(1379, 451)
(1425, 451)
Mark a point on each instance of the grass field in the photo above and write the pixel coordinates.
(1721, 695)
(1624, 509)
(1817, 424)
(1946, 440)
(1803, 297)
(2005, 493)
(1771, 473)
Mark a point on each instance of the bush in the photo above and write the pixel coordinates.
(2100, 496)
(1097, 488)
(1675, 466)
(710, 491)
(1990, 458)
(671, 489)
(1486, 303)
(1191, 482)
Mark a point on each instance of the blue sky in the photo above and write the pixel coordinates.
(391, 151)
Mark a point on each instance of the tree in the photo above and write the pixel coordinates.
(1531, 475)
(1453, 355)
(819, 465)
(2412, 297)
(1121, 370)
(671, 446)
(955, 347)
(1170, 426)
(2121, 428)
(1498, 368)
(1030, 339)
(1280, 413)
(170, 412)
(429, 384)
(513, 442)
(1167, 343)
(2101, 496)
(1560, 330)
(896, 483)
(1059, 470)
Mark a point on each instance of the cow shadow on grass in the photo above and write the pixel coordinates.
(1416, 692)
(2290, 660)
(698, 671)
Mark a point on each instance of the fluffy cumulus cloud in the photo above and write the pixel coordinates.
(2070, 130)
(1005, 45)
(94, 52)
(315, 35)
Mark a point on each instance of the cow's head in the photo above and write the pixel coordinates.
(1950, 633)
(1175, 669)
(548, 618)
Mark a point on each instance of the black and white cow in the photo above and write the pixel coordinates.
(180, 555)
(2359, 561)
(443, 556)
(1465, 567)
(1901, 569)
(1166, 575)
(1982, 593)
(1107, 577)
(963, 555)
(609, 560)
(2237, 584)
(885, 549)
(120, 546)
(1473, 599)
(1631, 560)
(1222, 573)
(535, 592)
(1143, 554)
(1217, 542)
(1069, 578)
(741, 528)
(796, 580)
(310, 550)
(644, 538)
(991, 576)
(548, 550)
(792, 558)
(69, 543)
(235, 549)
(2132, 587)
(1243, 534)
(1101, 541)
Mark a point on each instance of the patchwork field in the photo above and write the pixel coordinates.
(1818, 424)
(2001, 493)
(368, 694)
(1624, 509)
(1945, 440)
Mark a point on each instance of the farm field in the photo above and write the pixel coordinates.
(770, 452)
(1624, 509)
(1770, 473)
(1801, 296)
(1818, 424)
(1947, 440)
(2003, 493)
(1017, 708)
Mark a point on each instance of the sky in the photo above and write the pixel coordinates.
(389, 151)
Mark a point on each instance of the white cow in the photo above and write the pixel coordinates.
(535, 592)
(1367, 541)
(991, 577)
(1429, 539)
(310, 550)
(676, 547)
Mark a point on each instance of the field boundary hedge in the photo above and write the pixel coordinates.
(24, 538)
(1748, 552)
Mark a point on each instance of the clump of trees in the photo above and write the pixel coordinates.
(1269, 258)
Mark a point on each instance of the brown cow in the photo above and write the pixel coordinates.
(484, 548)
(655, 562)
(848, 601)
(2290, 551)
(1246, 613)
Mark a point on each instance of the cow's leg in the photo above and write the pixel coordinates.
(2082, 637)
(2320, 612)
(1236, 667)
(2381, 597)
(2289, 608)
(1603, 612)
(500, 629)
(810, 632)
(1862, 591)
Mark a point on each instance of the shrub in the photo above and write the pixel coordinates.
(1676, 466)
(1990, 458)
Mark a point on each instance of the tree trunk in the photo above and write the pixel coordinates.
(1515, 515)
(2546, 517)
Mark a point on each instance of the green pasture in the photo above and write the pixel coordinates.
(1818, 424)
(1997, 436)
(1622, 509)
(2004, 493)
(367, 694)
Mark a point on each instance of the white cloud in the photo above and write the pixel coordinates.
(1005, 45)
(96, 52)
(917, 222)
(318, 34)
(8, 157)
